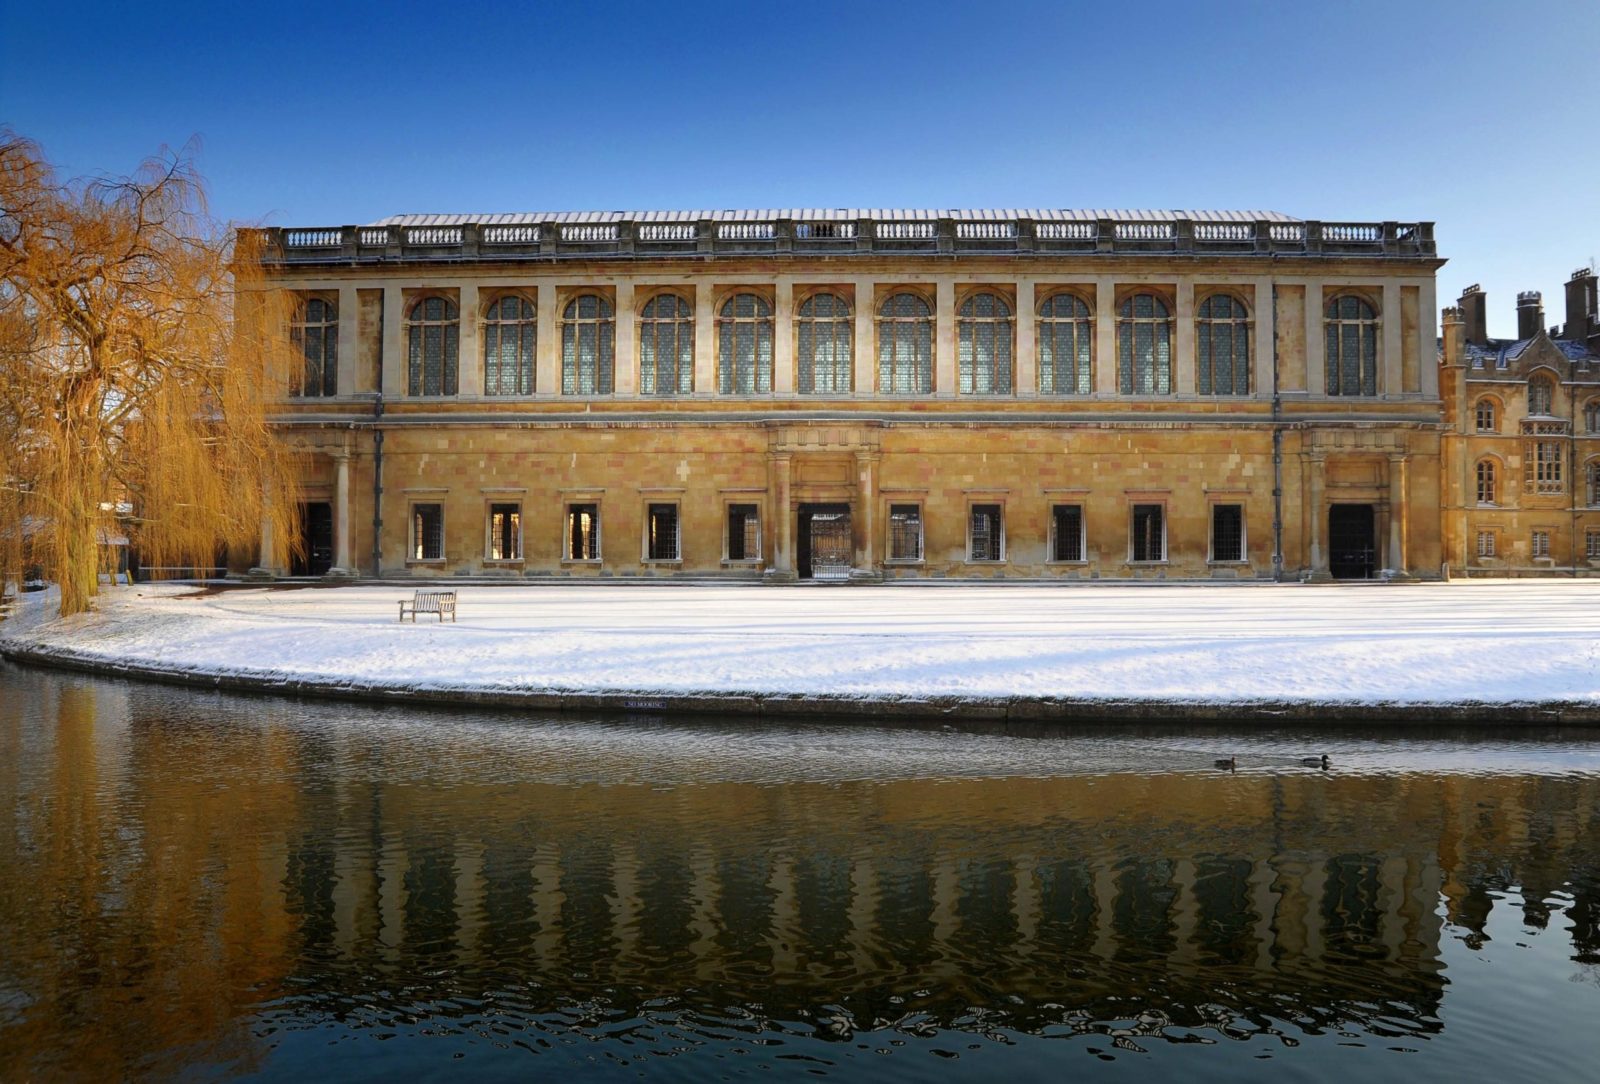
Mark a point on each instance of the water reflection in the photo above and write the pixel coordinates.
(256, 885)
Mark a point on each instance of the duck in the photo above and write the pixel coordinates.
(1226, 765)
(1316, 762)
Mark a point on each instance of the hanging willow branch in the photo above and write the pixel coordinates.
(138, 352)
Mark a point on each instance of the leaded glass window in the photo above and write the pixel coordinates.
(1486, 481)
(666, 346)
(435, 333)
(1144, 346)
(1541, 395)
(1541, 543)
(1485, 543)
(1591, 416)
(1484, 416)
(744, 346)
(1352, 347)
(316, 333)
(1064, 345)
(508, 339)
(1222, 344)
(1541, 466)
(826, 345)
(905, 346)
(1591, 486)
(588, 346)
(983, 337)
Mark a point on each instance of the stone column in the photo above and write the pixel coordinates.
(1183, 360)
(1398, 508)
(1105, 335)
(342, 565)
(1427, 334)
(1263, 337)
(783, 337)
(865, 350)
(394, 348)
(1026, 370)
(626, 378)
(469, 357)
(349, 339)
(547, 344)
(705, 340)
(944, 339)
(1392, 383)
(867, 483)
(1314, 515)
(782, 544)
(1316, 363)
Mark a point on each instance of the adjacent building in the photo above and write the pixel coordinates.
(866, 395)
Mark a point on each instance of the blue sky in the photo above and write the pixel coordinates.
(1484, 118)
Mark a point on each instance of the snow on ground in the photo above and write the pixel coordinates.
(1507, 641)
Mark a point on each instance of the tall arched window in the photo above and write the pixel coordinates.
(1486, 486)
(588, 346)
(315, 332)
(1541, 395)
(666, 346)
(905, 346)
(825, 345)
(1222, 346)
(744, 346)
(984, 352)
(1352, 347)
(508, 330)
(1591, 416)
(435, 331)
(1483, 416)
(1144, 346)
(1064, 346)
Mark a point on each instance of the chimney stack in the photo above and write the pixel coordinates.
(1583, 319)
(1475, 314)
(1530, 314)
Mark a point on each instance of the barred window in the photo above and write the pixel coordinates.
(1222, 342)
(744, 532)
(1227, 533)
(666, 346)
(1066, 532)
(1485, 543)
(1591, 484)
(1541, 395)
(986, 533)
(1541, 466)
(505, 532)
(1591, 545)
(1149, 526)
(588, 346)
(826, 343)
(315, 333)
(508, 331)
(435, 331)
(744, 347)
(984, 350)
(427, 532)
(1486, 481)
(1484, 419)
(661, 533)
(1352, 347)
(583, 533)
(905, 346)
(1064, 344)
(1541, 543)
(1144, 346)
(905, 532)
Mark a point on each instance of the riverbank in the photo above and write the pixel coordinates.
(1486, 651)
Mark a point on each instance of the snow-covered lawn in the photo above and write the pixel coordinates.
(1508, 641)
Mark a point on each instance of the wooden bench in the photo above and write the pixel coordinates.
(430, 602)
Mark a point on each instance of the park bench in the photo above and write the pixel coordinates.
(430, 602)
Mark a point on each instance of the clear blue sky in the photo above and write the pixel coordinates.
(1483, 117)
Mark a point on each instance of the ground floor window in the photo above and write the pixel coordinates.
(505, 532)
(661, 533)
(1066, 538)
(1591, 545)
(986, 533)
(744, 532)
(1149, 532)
(1485, 543)
(905, 532)
(427, 532)
(1541, 543)
(1227, 532)
(583, 532)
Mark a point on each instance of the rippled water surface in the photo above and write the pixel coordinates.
(195, 885)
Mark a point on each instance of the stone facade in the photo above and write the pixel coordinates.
(1173, 454)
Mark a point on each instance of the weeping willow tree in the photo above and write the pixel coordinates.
(139, 351)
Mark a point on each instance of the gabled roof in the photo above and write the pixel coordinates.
(1501, 353)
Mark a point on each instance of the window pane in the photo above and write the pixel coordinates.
(1067, 544)
(905, 532)
(662, 532)
(986, 532)
(1149, 534)
(1227, 532)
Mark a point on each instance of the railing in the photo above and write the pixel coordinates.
(664, 240)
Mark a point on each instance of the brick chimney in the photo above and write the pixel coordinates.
(1583, 320)
(1474, 306)
(1530, 314)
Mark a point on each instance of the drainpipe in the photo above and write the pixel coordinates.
(1277, 453)
(1572, 469)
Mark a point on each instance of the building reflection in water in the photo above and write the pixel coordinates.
(186, 873)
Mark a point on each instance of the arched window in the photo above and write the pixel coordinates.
(508, 330)
(1486, 486)
(1591, 486)
(1144, 346)
(316, 333)
(905, 346)
(1222, 344)
(825, 344)
(1591, 416)
(666, 346)
(588, 346)
(435, 331)
(744, 346)
(1541, 395)
(983, 335)
(1064, 346)
(1483, 416)
(1352, 347)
